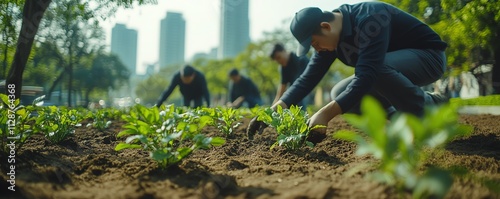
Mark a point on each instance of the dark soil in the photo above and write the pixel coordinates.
(87, 166)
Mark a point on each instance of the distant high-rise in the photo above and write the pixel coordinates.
(172, 39)
(234, 28)
(124, 45)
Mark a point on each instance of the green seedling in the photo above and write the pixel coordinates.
(57, 123)
(16, 121)
(169, 135)
(101, 119)
(400, 145)
(225, 119)
(290, 124)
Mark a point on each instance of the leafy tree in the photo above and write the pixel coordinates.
(69, 27)
(32, 13)
(9, 15)
(471, 28)
(151, 88)
(106, 71)
(40, 70)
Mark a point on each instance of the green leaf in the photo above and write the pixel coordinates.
(438, 139)
(434, 183)
(355, 120)
(141, 138)
(217, 141)
(21, 112)
(274, 145)
(373, 110)
(38, 100)
(193, 128)
(348, 136)
(181, 126)
(279, 110)
(310, 144)
(204, 120)
(303, 128)
(122, 146)
(127, 132)
(160, 155)
(5, 98)
(183, 152)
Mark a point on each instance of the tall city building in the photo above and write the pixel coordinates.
(172, 39)
(124, 45)
(234, 28)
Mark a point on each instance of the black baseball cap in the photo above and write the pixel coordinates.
(303, 25)
(233, 72)
(187, 70)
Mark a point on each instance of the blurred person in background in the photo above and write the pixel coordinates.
(193, 87)
(242, 90)
(291, 67)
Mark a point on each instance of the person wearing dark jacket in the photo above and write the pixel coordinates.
(392, 52)
(291, 67)
(242, 89)
(193, 87)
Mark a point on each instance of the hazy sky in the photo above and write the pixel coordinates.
(202, 22)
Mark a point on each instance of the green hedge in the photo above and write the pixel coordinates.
(483, 100)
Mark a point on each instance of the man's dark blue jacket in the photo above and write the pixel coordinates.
(197, 89)
(369, 30)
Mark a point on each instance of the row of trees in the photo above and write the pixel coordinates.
(60, 44)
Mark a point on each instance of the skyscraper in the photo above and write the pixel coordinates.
(172, 39)
(124, 45)
(234, 28)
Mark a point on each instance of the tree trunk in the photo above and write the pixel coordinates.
(55, 83)
(32, 15)
(87, 96)
(6, 52)
(70, 74)
(495, 73)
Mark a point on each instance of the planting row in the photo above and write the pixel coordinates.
(170, 134)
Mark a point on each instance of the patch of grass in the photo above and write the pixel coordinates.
(479, 101)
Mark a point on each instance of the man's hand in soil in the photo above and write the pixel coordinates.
(322, 117)
(255, 126)
(258, 126)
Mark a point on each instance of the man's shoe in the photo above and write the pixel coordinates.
(439, 98)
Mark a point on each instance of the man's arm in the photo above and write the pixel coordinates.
(237, 103)
(206, 94)
(314, 72)
(168, 91)
(303, 61)
(280, 92)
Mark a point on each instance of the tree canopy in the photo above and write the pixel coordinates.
(32, 14)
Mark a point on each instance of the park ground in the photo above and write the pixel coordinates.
(87, 166)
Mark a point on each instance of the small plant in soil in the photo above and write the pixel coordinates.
(168, 134)
(101, 119)
(290, 124)
(224, 119)
(16, 121)
(57, 123)
(401, 145)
